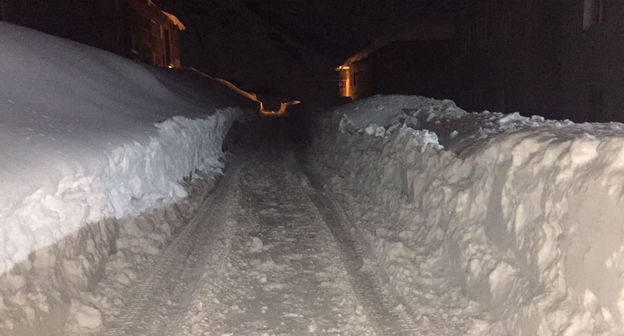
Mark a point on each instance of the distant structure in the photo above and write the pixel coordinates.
(507, 56)
(418, 62)
(592, 62)
(402, 67)
(559, 59)
(136, 29)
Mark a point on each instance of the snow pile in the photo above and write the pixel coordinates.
(86, 135)
(88, 138)
(514, 227)
(74, 286)
(456, 128)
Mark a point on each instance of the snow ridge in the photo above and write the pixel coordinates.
(86, 134)
(514, 229)
(130, 179)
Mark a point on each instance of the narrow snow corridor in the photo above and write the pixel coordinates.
(264, 256)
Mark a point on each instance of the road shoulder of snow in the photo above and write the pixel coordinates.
(516, 227)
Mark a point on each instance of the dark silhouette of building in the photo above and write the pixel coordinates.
(559, 59)
(593, 60)
(403, 67)
(508, 56)
(503, 56)
(415, 61)
(136, 29)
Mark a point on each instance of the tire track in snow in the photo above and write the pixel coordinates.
(158, 303)
(385, 310)
(284, 273)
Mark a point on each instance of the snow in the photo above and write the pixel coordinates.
(485, 223)
(86, 135)
(482, 223)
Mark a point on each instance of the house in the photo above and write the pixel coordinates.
(559, 59)
(593, 60)
(136, 29)
(155, 34)
(507, 56)
(501, 56)
(417, 63)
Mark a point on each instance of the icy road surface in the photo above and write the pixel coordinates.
(266, 255)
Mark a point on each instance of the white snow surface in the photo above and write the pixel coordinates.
(87, 135)
(522, 216)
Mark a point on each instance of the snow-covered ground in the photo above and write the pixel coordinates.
(412, 216)
(88, 138)
(484, 223)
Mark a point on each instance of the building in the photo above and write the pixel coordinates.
(155, 34)
(403, 67)
(502, 56)
(559, 59)
(593, 60)
(137, 29)
(507, 56)
(416, 62)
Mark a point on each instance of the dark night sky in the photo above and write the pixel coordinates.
(290, 47)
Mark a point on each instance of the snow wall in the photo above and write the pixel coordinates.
(87, 140)
(128, 180)
(520, 218)
(57, 290)
(86, 135)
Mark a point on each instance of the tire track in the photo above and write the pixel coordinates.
(159, 301)
(385, 310)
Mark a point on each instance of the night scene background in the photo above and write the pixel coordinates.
(290, 167)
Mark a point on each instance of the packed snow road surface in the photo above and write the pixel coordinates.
(263, 256)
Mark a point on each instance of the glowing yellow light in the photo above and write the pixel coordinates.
(282, 110)
(170, 66)
(252, 96)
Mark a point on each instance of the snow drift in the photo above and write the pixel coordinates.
(88, 140)
(485, 223)
(86, 135)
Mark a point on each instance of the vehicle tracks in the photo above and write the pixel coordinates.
(267, 254)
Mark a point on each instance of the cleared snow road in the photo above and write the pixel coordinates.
(266, 255)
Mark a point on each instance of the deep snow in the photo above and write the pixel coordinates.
(481, 223)
(88, 138)
(86, 135)
(516, 217)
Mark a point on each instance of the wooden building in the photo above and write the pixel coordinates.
(560, 59)
(507, 56)
(593, 60)
(136, 29)
(416, 61)
(403, 67)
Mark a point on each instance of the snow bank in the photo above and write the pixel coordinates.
(485, 223)
(86, 135)
(74, 286)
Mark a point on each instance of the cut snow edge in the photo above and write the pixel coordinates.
(128, 180)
